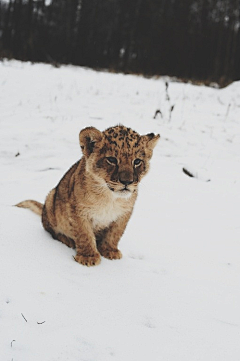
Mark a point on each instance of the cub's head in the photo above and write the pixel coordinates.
(118, 157)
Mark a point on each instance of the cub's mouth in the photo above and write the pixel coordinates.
(123, 192)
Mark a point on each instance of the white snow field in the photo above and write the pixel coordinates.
(175, 294)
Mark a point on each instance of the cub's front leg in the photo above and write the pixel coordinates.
(87, 253)
(108, 242)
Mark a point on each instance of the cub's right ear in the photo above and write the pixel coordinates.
(89, 138)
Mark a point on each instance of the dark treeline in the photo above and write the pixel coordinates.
(193, 39)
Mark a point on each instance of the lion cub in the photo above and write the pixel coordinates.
(91, 205)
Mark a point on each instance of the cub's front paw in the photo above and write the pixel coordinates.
(111, 253)
(92, 260)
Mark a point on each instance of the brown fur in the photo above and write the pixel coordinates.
(91, 205)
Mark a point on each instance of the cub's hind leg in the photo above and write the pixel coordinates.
(55, 235)
(64, 239)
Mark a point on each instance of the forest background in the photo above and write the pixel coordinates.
(189, 39)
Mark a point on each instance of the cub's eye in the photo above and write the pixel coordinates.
(112, 160)
(137, 162)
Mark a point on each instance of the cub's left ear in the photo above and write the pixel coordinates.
(89, 138)
(151, 140)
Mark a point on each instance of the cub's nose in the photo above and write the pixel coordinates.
(126, 178)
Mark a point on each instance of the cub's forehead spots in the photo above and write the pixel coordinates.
(122, 138)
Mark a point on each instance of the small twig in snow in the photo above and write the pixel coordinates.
(170, 114)
(228, 109)
(167, 95)
(188, 173)
(24, 317)
(158, 111)
(194, 174)
(40, 323)
(12, 342)
(220, 101)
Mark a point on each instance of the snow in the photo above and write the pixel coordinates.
(175, 294)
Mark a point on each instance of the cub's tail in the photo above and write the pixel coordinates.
(34, 206)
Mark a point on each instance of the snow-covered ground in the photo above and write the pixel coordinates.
(175, 295)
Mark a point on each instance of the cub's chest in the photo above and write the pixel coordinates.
(104, 214)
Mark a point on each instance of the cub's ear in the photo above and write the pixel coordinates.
(89, 138)
(151, 140)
